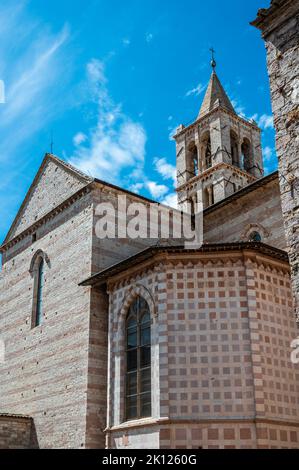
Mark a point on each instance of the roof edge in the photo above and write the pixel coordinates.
(243, 191)
(47, 157)
(101, 277)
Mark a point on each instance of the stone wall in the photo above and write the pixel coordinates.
(257, 210)
(17, 432)
(45, 370)
(106, 252)
(57, 372)
(280, 28)
(221, 370)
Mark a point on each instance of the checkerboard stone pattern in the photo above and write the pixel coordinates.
(221, 370)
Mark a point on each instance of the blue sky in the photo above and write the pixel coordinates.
(112, 79)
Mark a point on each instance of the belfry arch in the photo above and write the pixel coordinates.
(234, 145)
(246, 151)
(193, 159)
(206, 152)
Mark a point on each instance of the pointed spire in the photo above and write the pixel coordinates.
(215, 95)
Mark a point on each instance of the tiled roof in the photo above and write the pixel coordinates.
(101, 277)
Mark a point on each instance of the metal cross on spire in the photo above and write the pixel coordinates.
(213, 61)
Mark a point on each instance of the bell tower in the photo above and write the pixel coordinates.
(219, 153)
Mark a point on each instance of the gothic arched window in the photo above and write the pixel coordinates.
(246, 155)
(234, 149)
(39, 293)
(138, 360)
(37, 271)
(193, 156)
(208, 154)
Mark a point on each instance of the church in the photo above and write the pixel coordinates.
(138, 343)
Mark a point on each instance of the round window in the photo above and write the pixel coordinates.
(255, 237)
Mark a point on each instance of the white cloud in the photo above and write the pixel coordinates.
(116, 143)
(266, 122)
(36, 63)
(156, 190)
(31, 66)
(136, 187)
(267, 153)
(171, 200)
(254, 117)
(96, 75)
(165, 169)
(196, 91)
(126, 41)
(172, 131)
(239, 108)
(79, 138)
(149, 37)
(2, 92)
(32, 81)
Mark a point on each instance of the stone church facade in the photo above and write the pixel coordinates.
(144, 343)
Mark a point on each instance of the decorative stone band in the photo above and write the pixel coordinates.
(207, 173)
(147, 422)
(205, 119)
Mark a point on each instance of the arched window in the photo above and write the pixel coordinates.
(246, 154)
(255, 237)
(193, 156)
(234, 148)
(208, 154)
(138, 360)
(37, 271)
(39, 293)
(195, 166)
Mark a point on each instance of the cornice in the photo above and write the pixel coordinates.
(205, 118)
(166, 421)
(207, 173)
(164, 258)
(44, 219)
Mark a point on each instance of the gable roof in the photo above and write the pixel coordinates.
(84, 179)
(215, 95)
(75, 172)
